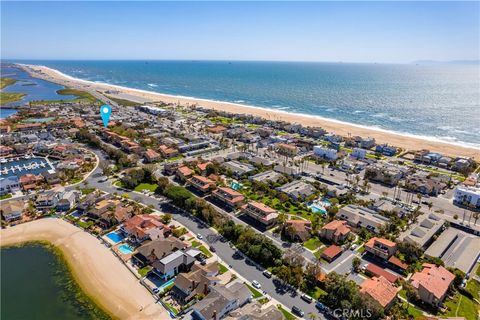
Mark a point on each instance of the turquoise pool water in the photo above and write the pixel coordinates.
(125, 249)
(116, 237)
(166, 284)
(319, 207)
(235, 186)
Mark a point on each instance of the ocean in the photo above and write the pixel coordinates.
(438, 102)
(36, 284)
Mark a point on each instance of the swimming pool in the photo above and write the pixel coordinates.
(319, 206)
(235, 186)
(166, 284)
(125, 249)
(116, 237)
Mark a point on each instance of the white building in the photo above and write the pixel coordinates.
(9, 185)
(467, 195)
(359, 153)
(324, 152)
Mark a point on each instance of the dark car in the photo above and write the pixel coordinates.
(296, 310)
(213, 249)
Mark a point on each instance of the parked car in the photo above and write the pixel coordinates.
(213, 249)
(353, 246)
(267, 274)
(306, 298)
(199, 236)
(256, 284)
(296, 310)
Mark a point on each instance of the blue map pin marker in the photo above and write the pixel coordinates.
(105, 112)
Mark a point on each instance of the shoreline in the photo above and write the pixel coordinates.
(104, 279)
(403, 140)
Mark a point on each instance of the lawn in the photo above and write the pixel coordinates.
(143, 271)
(85, 225)
(205, 251)
(319, 252)
(170, 307)
(78, 93)
(473, 286)
(221, 268)
(316, 293)
(286, 315)
(461, 306)
(5, 82)
(124, 102)
(312, 243)
(196, 243)
(263, 300)
(255, 292)
(9, 97)
(146, 186)
(87, 190)
(6, 196)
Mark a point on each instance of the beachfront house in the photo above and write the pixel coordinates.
(197, 281)
(12, 210)
(144, 227)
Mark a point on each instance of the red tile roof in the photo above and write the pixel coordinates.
(397, 262)
(332, 251)
(435, 279)
(377, 271)
(339, 226)
(380, 289)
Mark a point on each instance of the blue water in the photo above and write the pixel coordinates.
(36, 89)
(115, 236)
(125, 249)
(21, 162)
(437, 101)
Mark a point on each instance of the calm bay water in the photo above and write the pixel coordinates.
(36, 285)
(437, 101)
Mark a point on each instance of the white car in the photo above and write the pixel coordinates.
(199, 236)
(256, 284)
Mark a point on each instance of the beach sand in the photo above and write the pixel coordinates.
(99, 273)
(343, 129)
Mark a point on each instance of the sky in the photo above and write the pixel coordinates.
(383, 32)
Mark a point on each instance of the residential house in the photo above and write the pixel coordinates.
(335, 231)
(10, 184)
(376, 271)
(359, 153)
(238, 168)
(47, 200)
(266, 176)
(422, 232)
(174, 263)
(380, 247)
(255, 311)
(68, 200)
(384, 173)
(198, 281)
(220, 301)
(325, 153)
(151, 156)
(385, 149)
(432, 283)
(157, 249)
(229, 197)
(299, 230)
(12, 210)
(201, 183)
(360, 217)
(30, 181)
(286, 149)
(5, 151)
(297, 189)
(183, 173)
(261, 213)
(380, 290)
(168, 152)
(144, 227)
(467, 195)
(424, 184)
(331, 253)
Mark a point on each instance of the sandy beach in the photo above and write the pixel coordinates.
(404, 141)
(100, 274)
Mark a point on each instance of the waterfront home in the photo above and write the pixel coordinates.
(30, 181)
(68, 200)
(220, 301)
(151, 156)
(261, 213)
(183, 173)
(359, 153)
(238, 168)
(47, 200)
(331, 253)
(432, 283)
(298, 230)
(5, 151)
(463, 164)
(335, 231)
(201, 183)
(297, 189)
(12, 210)
(380, 290)
(144, 227)
(422, 233)
(88, 201)
(380, 247)
(175, 262)
(467, 195)
(157, 249)
(229, 197)
(197, 281)
(360, 217)
(255, 311)
(266, 176)
(28, 127)
(9, 184)
(385, 149)
(325, 153)
(424, 184)
(109, 216)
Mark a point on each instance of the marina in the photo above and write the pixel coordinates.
(28, 164)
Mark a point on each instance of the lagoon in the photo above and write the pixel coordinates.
(36, 284)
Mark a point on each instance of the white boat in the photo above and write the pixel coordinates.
(3, 160)
(27, 156)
